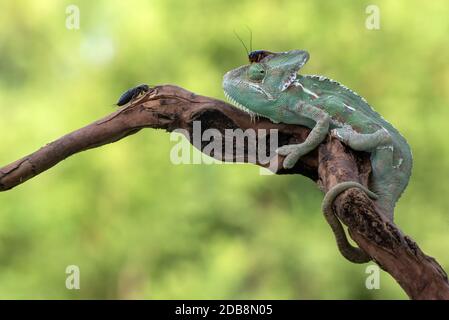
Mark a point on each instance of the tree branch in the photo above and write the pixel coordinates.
(169, 107)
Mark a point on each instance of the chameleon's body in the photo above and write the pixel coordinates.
(271, 88)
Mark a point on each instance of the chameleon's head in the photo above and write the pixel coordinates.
(255, 88)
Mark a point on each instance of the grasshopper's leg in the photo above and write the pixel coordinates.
(294, 151)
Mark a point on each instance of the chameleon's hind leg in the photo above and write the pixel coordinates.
(380, 145)
(360, 141)
(294, 151)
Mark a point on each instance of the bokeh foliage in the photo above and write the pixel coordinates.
(139, 226)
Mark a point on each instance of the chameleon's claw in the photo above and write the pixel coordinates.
(292, 153)
(286, 150)
(339, 134)
(334, 133)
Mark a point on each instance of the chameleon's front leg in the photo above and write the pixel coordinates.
(294, 151)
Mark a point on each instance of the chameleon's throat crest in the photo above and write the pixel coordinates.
(240, 106)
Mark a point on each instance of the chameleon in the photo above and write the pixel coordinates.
(271, 87)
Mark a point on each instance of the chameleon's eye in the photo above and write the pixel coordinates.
(256, 72)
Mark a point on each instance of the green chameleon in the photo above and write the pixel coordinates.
(270, 87)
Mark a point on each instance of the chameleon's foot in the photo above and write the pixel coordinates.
(292, 153)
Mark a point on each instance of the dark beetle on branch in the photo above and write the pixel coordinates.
(132, 93)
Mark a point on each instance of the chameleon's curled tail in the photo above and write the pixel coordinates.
(351, 253)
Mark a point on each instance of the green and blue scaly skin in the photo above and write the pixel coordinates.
(272, 88)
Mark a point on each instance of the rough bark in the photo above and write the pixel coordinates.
(170, 107)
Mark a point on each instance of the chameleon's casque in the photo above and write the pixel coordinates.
(272, 88)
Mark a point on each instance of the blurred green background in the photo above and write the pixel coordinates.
(139, 226)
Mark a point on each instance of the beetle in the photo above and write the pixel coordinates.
(132, 93)
(257, 55)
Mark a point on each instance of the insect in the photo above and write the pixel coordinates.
(256, 55)
(132, 93)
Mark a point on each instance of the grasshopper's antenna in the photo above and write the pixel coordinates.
(250, 38)
(241, 41)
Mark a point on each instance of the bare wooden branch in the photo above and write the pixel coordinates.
(170, 107)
